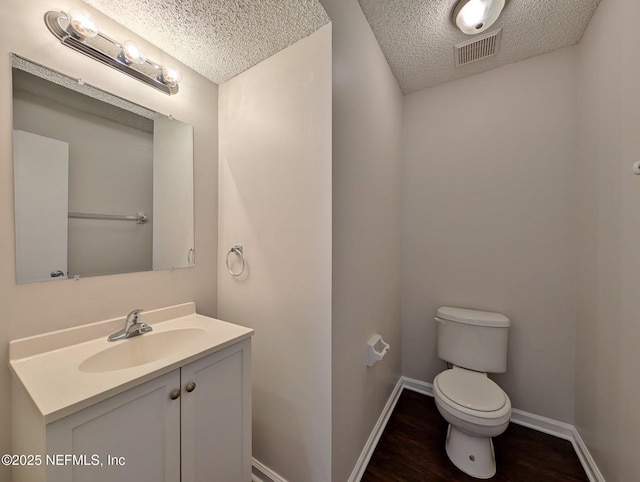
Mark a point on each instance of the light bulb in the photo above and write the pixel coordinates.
(473, 13)
(475, 16)
(170, 75)
(131, 54)
(82, 23)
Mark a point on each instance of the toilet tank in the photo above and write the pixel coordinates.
(473, 339)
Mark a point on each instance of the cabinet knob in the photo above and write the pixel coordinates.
(191, 386)
(175, 394)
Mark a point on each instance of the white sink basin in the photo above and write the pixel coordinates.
(67, 370)
(140, 350)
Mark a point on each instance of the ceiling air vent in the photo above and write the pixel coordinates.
(479, 48)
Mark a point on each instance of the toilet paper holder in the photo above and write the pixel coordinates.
(377, 348)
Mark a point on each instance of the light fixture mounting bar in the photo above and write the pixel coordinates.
(107, 51)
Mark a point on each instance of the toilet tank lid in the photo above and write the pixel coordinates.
(473, 317)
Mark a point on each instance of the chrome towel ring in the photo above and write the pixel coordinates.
(237, 250)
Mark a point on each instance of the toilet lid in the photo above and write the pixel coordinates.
(472, 390)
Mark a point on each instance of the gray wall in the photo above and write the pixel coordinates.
(275, 200)
(489, 221)
(40, 307)
(518, 198)
(367, 197)
(537, 218)
(608, 334)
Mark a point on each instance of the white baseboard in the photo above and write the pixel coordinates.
(376, 433)
(536, 422)
(419, 386)
(562, 430)
(262, 473)
(585, 457)
(542, 424)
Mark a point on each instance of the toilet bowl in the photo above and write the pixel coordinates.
(476, 408)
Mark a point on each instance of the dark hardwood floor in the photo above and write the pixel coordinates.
(411, 449)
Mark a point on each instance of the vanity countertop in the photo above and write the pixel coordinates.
(58, 369)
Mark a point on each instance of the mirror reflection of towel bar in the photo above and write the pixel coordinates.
(139, 218)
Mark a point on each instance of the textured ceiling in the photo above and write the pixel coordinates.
(221, 38)
(218, 38)
(418, 36)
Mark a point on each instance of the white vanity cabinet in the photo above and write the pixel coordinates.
(139, 429)
(216, 417)
(172, 405)
(192, 424)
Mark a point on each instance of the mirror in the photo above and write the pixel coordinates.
(102, 185)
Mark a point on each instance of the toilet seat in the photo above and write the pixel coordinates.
(471, 389)
(454, 389)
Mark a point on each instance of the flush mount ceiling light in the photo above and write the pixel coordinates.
(475, 16)
(78, 30)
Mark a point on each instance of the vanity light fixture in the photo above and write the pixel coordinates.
(476, 16)
(78, 30)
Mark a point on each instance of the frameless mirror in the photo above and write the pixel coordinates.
(102, 185)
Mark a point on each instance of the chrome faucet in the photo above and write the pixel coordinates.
(132, 327)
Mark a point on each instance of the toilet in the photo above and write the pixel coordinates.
(474, 343)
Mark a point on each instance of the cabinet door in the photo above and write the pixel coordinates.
(216, 417)
(141, 425)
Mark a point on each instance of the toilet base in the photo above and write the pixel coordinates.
(473, 455)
